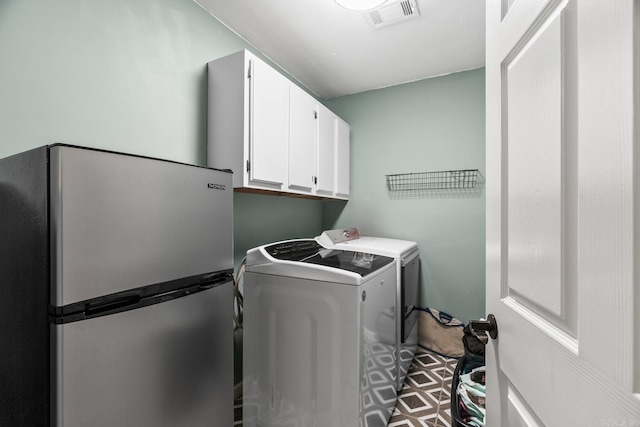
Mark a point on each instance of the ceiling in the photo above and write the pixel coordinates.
(334, 51)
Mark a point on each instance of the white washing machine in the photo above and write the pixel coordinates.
(319, 337)
(407, 258)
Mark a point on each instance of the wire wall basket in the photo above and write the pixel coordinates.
(441, 180)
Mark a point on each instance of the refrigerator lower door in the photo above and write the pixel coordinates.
(164, 365)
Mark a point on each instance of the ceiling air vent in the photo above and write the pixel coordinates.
(392, 12)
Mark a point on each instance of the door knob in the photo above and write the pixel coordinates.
(481, 327)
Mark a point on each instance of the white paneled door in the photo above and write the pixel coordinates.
(563, 212)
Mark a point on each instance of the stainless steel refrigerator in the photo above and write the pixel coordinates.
(115, 291)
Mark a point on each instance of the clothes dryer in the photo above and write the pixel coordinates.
(407, 262)
(319, 337)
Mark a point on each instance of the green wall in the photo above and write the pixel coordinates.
(431, 125)
(126, 75)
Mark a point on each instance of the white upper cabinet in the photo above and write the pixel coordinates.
(268, 124)
(271, 133)
(248, 114)
(302, 140)
(326, 151)
(342, 160)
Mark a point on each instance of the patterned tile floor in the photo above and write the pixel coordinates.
(424, 400)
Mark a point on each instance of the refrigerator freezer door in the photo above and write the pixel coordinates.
(165, 365)
(120, 222)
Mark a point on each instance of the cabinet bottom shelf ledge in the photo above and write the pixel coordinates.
(286, 194)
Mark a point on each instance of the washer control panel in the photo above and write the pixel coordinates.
(294, 250)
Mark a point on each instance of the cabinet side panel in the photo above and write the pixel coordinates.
(226, 115)
(24, 341)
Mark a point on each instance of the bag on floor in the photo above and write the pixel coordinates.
(472, 345)
(440, 333)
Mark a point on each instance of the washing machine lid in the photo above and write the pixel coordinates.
(305, 258)
(350, 240)
(310, 252)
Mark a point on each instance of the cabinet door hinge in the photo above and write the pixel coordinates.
(314, 179)
(315, 114)
(249, 71)
(248, 165)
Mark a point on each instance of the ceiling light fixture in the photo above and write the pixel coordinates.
(360, 5)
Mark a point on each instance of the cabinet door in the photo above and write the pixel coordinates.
(326, 151)
(342, 159)
(269, 125)
(302, 140)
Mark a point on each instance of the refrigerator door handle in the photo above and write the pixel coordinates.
(138, 297)
(117, 302)
(216, 279)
